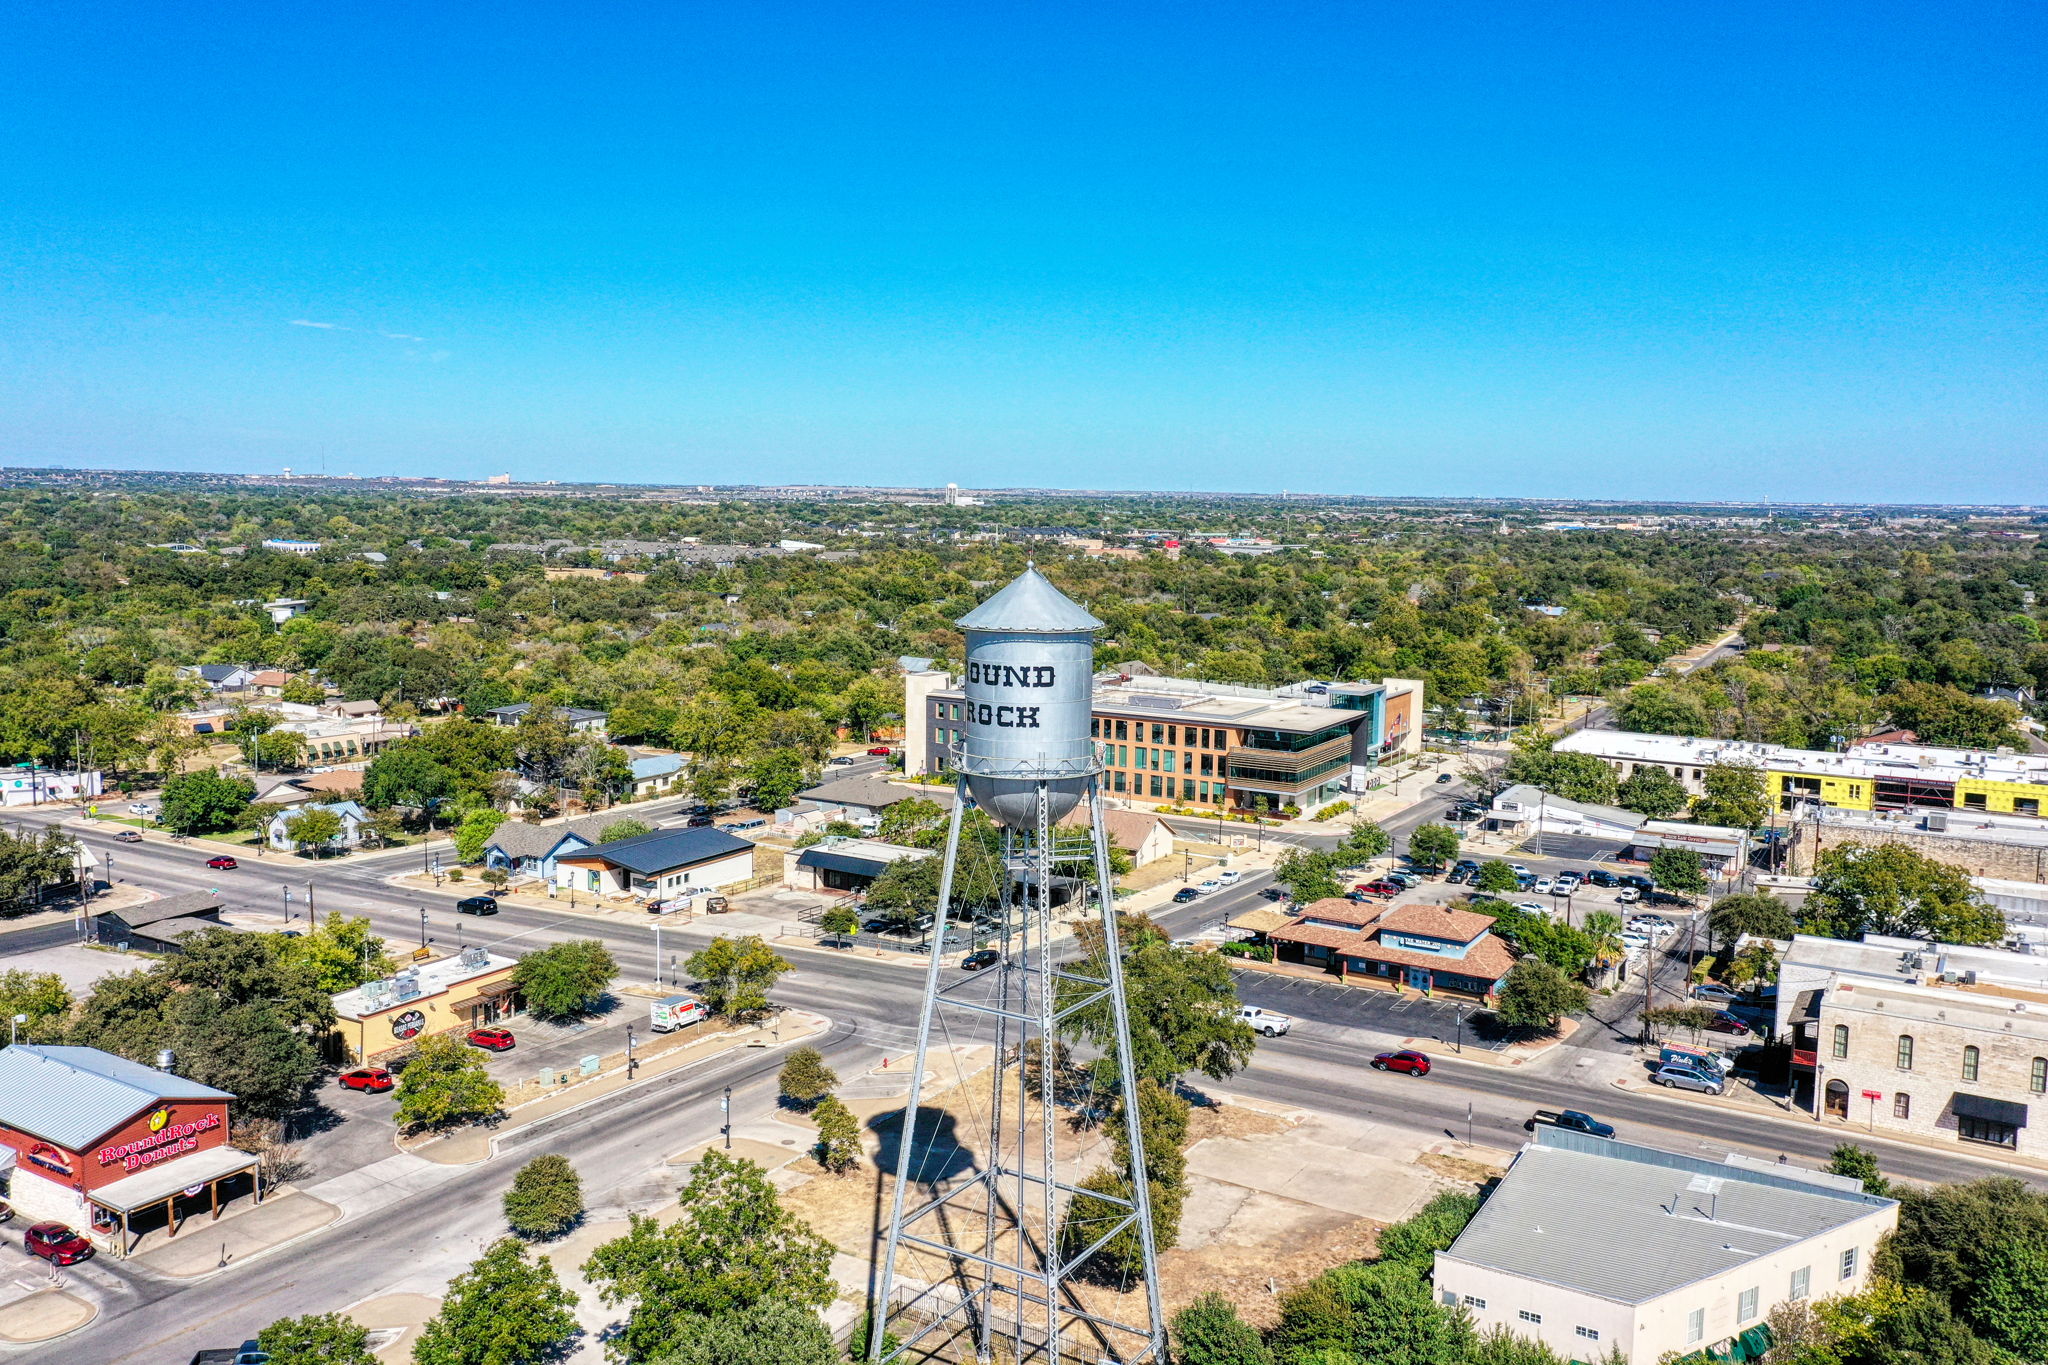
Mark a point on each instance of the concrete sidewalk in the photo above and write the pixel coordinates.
(44, 1315)
(208, 1247)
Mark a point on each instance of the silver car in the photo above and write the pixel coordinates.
(1685, 1078)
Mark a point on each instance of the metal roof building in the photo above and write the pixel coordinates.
(1594, 1244)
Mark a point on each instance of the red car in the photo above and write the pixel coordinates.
(1382, 887)
(1414, 1063)
(223, 863)
(374, 1079)
(1724, 1022)
(880, 751)
(56, 1244)
(494, 1039)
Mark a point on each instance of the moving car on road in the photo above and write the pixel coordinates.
(1229, 875)
(128, 836)
(842, 761)
(880, 751)
(1724, 1022)
(1208, 888)
(477, 905)
(374, 1079)
(248, 1353)
(490, 1039)
(1569, 1118)
(981, 961)
(222, 863)
(1410, 1063)
(56, 1244)
(1186, 894)
(1266, 1021)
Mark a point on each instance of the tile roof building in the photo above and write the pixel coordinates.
(1593, 1245)
(1435, 949)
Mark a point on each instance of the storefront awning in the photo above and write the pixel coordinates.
(157, 1183)
(1994, 1111)
(826, 860)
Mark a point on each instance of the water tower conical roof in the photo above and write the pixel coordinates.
(1030, 604)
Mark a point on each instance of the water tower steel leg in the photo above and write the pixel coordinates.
(1049, 1169)
(880, 1310)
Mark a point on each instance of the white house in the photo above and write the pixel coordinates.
(1539, 812)
(654, 774)
(353, 818)
(1592, 1245)
(27, 786)
(659, 866)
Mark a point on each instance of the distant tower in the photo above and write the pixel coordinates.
(952, 495)
(990, 1206)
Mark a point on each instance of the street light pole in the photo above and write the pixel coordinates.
(657, 953)
(630, 1063)
(725, 1108)
(287, 903)
(423, 927)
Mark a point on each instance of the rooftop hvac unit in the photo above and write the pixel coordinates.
(1937, 821)
(1969, 978)
(1948, 978)
(475, 956)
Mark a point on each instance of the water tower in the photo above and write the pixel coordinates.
(984, 1255)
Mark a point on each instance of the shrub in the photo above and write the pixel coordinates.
(546, 1198)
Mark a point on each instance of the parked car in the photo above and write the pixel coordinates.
(248, 1353)
(1404, 880)
(1649, 924)
(1543, 886)
(1208, 888)
(1698, 1058)
(880, 751)
(141, 808)
(1632, 940)
(1533, 907)
(1519, 870)
(1716, 993)
(1411, 1063)
(1382, 887)
(1640, 883)
(1724, 1022)
(128, 836)
(1457, 876)
(1446, 777)
(1685, 1078)
(491, 1039)
(878, 926)
(699, 821)
(1186, 894)
(980, 961)
(1628, 895)
(1229, 875)
(1572, 1119)
(222, 863)
(1266, 1021)
(755, 823)
(374, 1079)
(1600, 878)
(1565, 884)
(57, 1244)
(477, 905)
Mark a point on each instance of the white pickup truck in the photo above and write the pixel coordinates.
(1265, 1021)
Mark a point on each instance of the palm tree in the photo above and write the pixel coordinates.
(1604, 928)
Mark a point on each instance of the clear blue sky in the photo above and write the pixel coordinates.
(1688, 250)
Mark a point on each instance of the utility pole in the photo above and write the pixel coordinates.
(630, 1063)
(287, 903)
(309, 900)
(657, 953)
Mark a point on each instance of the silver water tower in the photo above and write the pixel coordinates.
(991, 1210)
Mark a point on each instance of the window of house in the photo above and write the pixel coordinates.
(1158, 733)
(1208, 765)
(1187, 789)
(1695, 1325)
(1902, 1105)
(1971, 1056)
(2037, 1079)
(1802, 1279)
(1745, 1304)
(1471, 1302)
(1905, 1052)
(1849, 1264)
(1589, 1333)
(1166, 757)
(1527, 1316)
(1841, 1040)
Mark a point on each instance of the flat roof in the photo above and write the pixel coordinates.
(1869, 761)
(1630, 1223)
(1880, 957)
(1292, 707)
(438, 977)
(2020, 831)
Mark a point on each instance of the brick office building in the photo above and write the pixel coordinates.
(113, 1147)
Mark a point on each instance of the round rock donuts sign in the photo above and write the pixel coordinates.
(408, 1024)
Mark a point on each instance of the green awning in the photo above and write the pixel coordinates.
(1752, 1344)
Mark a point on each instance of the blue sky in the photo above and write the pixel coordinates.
(1663, 250)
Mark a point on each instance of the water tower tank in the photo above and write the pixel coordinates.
(1030, 692)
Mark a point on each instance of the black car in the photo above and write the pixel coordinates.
(1598, 878)
(477, 905)
(1186, 894)
(1639, 883)
(1459, 874)
(878, 926)
(975, 962)
(697, 822)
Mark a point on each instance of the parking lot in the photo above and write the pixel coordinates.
(1336, 1008)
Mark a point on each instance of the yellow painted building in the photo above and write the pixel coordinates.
(466, 990)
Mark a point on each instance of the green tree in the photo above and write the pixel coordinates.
(1734, 795)
(1860, 1162)
(1893, 889)
(733, 1247)
(406, 776)
(1949, 1241)
(1679, 871)
(1575, 777)
(1433, 845)
(545, 1198)
(42, 996)
(2012, 1289)
(1951, 716)
(1416, 1239)
(805, 1079)
(908, 817)
(871, 703)
(31, 863)
(1363, 842)
(838, 1146)
(1393, 1310)
(1495, 876)
(628, 828)
(735, 975)
(340, 952)
(302, 691)
(1209, 1332)
(506, 1309)
(1651, 791)
(1309, 875)
(1182, 1004)
(474, 833)
(445, 1083)
(562, 980)
(1314, 1318)
(313, 828)
(1749, 912)
(316, 1339)
(774, 779)
(1536, 996)
(840, 920)
(769, 1332)
(201, 802)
